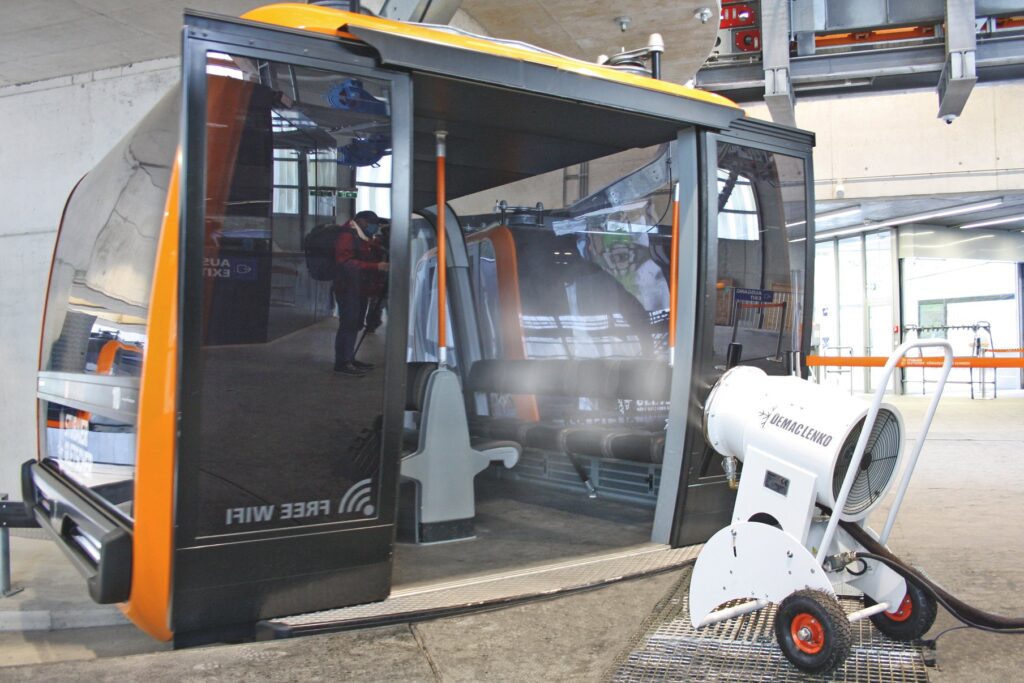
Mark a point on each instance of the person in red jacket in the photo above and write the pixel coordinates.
(357, 258)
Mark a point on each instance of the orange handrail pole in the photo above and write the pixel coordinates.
(673, 284)
(442, 254)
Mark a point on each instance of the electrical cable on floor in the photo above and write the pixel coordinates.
(971, 616)
(963, 612)
(931, 642)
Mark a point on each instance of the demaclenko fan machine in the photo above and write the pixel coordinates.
(811, 458)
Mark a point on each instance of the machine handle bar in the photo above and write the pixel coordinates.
(865, 432)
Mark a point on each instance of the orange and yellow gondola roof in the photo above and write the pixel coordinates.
(334, 22)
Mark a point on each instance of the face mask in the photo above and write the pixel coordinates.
(371, 229)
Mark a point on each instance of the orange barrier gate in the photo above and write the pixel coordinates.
(927, 362)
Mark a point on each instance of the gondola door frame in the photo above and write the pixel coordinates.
(205, 33)
(704, 502)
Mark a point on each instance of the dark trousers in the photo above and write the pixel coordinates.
(351, 304)
(374, 313)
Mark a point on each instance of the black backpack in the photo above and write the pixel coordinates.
(319, 248)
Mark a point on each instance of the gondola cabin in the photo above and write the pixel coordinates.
(560, 261)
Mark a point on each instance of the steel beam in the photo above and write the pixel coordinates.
(959, 72)
(778, 94)
(878, 70)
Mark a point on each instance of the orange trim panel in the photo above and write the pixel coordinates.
(511, 307)
(153, 537)
(108, 355)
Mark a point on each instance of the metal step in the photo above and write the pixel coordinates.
(743, 650)
(415, 603)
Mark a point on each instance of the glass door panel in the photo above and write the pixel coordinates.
(850, 264)
(320, 419)
(878, 296)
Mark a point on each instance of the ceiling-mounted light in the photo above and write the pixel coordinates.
(913, 218)
(623, 23)
(939, 213)
(829, 215)
(836, 213)
(994, 221)
(845, 231)
(950, 244)
(703, 15)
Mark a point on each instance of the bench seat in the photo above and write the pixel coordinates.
(596, 378)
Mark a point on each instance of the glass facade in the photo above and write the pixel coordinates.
(854, 310)
(972, 303)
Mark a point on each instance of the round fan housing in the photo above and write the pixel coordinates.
(811, 426)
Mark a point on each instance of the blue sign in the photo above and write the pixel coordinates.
(243, 268)
(754, 296)
(229, 267)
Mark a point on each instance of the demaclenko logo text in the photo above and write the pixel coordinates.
(800, 429)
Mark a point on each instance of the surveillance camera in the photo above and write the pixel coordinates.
(949, 118)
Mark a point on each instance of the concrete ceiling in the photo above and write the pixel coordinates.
(51, 38)
(586, 28)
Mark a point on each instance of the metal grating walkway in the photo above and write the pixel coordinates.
(489, 590)
(667, 648)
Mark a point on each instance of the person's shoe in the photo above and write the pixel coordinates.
(349, 368)
(362, 366)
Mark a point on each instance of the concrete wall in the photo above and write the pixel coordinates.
(892, 144)
(54, 131)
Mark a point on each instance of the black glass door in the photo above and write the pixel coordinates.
(754, 295)
(292, 342)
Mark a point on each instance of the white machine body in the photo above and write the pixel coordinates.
(751, 416)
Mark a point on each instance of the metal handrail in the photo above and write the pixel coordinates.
(865, 432)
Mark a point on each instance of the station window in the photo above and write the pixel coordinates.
(286, 181)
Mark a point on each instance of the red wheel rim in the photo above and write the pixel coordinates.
(902, 612)
(807, 633)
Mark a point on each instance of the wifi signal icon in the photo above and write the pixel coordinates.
(358, 499)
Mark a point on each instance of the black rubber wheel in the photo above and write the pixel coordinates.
(813, 631)
(911, 619)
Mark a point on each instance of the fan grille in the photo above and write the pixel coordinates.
(878, 467)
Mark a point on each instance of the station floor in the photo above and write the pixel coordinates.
(961, 523)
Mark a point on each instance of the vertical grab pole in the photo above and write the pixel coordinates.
(673, 284)
(442, 254)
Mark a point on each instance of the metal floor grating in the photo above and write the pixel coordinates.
(668, 648)
(489, 590)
